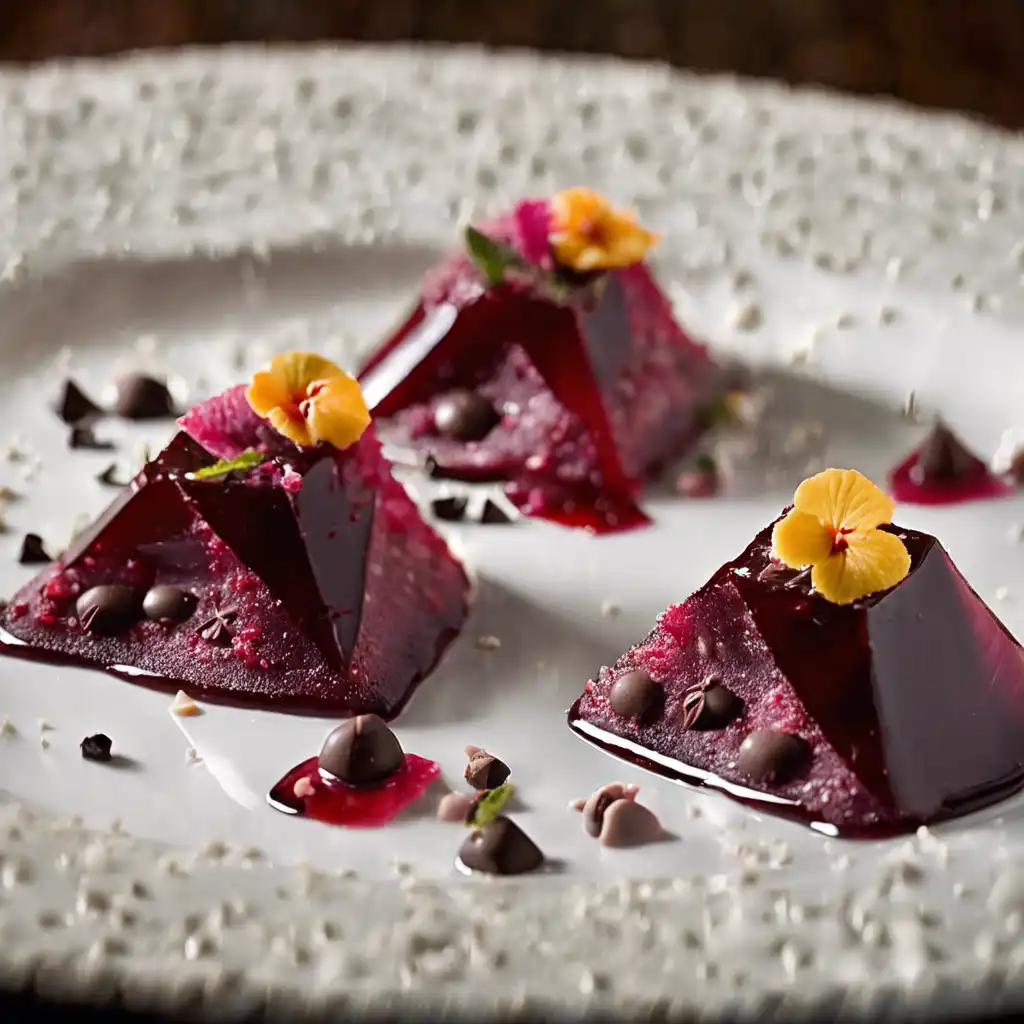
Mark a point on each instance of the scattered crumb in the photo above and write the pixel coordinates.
(44, 741)
(1002, 593)
(191, 756)
(609, 609)
(1009, 451)
(7, 727)
(44, 725)
(894, 268)
(911, 410)
(184, 706)
(487, 643)
(746, 316)
(803, 350)
(845, 321)
(13, 451)
(742, 279)
(887, 315)
(1016, 533)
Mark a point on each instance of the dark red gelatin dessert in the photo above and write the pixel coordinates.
(570, 387)
(943, 471)
(304, 580)
(866, 719)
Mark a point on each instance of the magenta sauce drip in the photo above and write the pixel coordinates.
(444, 346)
(337, 803)
(980, 483)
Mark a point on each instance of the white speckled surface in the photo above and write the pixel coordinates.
(194, 213)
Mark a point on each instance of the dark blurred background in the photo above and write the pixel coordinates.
(966, 54)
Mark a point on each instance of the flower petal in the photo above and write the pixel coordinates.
(873, 561)
(267, 391)
(801, 539)
(337, 413)
(291, 426)
(845, 499)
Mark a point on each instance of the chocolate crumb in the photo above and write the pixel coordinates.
(485, 771)
(140, 397)
(82, 435)
(449, 510)
(96, 748)
(32, 550)
(494, 514)
(218, 629)
(74, 405)
(501, 847)
(109, 477)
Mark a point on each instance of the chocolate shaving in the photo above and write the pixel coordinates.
(493, 513)
(109, 477)
(693, 706)
(82, 435)
(449, 510)
(32, 550)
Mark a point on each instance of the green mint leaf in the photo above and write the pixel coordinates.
(706, 464)
(246, 460)
(487, 806)
(493, 258)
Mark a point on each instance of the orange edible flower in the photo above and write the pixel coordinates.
(833, 528)
(309, 400)
(587, 233)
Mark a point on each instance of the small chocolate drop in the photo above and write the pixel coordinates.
(943, 457)
(501, 847)
(108, 609)
(362, 752)
(485, 771)
(767, 755)
(635, 694)
(142, 398)
(464, 415)
(449, 510)
(32, 550)
(169, 604)
(74, 405)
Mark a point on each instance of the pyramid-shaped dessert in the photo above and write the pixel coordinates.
(840, 671)
(266, 557)
(547, 357)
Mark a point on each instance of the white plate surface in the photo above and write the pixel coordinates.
(193, 215)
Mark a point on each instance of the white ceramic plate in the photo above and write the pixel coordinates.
(193, 215)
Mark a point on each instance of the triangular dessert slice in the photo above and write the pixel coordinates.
(547, 357)
(293, 575)
(896, 708)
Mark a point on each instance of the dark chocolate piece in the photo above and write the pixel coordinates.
(74, 405)
(109, 477)
(32, 550)
(501, 847)
(770, 756)
(635, 694)
(710, 706)
(464, 415)
(942, 456)
(96, 748)
(493, 513)
(450, 510)
(169, 604)
(108, 609)
(83, 435)
(362, 752)
(142, 398)
(485, 771)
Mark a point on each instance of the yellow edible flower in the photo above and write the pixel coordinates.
(833, 527)
(587, 233)
(309, 399)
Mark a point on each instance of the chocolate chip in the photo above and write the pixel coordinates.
(451, 510)
(32, 550)
(710, 706)
(493, 513)
(218, 629)
(635, 695)
(168, 604)
(74, 405)
(142, 398)
(108, 609)
(628, 823)
(109, 477)
(501, 847)
(82, 435)
(96, 748)
(942, 456)
(463, 415)
(362, 752)
(770, 756)
(485, 771)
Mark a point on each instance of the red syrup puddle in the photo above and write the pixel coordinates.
(979, 483)
(766, 803)
(421, 358)
(336, 803)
